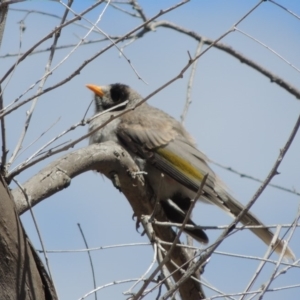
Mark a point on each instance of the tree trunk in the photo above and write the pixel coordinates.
(22, 275)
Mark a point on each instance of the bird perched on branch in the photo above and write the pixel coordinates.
(160, 144)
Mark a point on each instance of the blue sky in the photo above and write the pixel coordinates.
(237, 117)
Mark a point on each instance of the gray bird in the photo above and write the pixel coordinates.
(160, 144)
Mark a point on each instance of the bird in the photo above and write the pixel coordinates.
(159, 144)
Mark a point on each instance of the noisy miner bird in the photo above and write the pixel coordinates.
(160, 144)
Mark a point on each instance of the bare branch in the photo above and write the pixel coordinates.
(268, 48)
(273, 78)
(272, 173)
(77, 71)
(268, 283)
(97, 248)
(106, 158)
(284, 8)
(3, 15)
(188, 100)
(243, 175)
(166, 258)
(263, 262)
(139, 10)
(142, 278)
(115, 282)
(40, 135)
(42, 83)
(65, 46)
(94, 26)
(221, 227)
(90, 258)
(3, 137)
(24, 165)
(48, 36)
(135, 15)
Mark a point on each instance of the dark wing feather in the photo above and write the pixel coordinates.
(161, 140)
(214, 190)
(176, 215)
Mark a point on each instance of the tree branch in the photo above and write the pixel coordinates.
(113, 161)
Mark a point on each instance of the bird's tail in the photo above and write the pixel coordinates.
(233, 207)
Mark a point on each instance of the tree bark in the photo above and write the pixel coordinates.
(115, 163)
(22, 275)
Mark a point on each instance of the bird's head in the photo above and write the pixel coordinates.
(111, 95)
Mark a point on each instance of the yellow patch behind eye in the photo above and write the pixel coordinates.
(181, 164)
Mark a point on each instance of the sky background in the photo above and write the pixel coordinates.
(237, 117)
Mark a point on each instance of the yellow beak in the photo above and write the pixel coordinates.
(96, 89)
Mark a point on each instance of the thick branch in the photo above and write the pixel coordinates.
(22, 274)
(115, 163)
(243, 59)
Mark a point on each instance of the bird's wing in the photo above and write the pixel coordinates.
(146, 130)
(158, 138)
(163, 142)
(144, 135)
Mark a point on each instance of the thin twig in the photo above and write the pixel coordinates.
(263, 262)
(271, 174)
(295, 264)
(96, 248)
(36, 227)
(220, 227)
(48, 36)
(90, 258)
(256, 258)
(94, 26)
(30, 11)
(243, 175)
(229, 50)
(65, 46)
(202, 282)
(135, 15)
(3, 137)
(268, 48)
(177, 268)
(165, 274)
(115, 282)
(188, 100)
(35, 140)
(81, 123)
(235, 255)
(71, 144)
(274, 78)
(284, 8)
(8, 110)
(87, 110)
(5, 167)
(142, 278)
(167, 256)
(50, 72)
(21, 30)
(139, 10)
(42, 83)
(271, 278)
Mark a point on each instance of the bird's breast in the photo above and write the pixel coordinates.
(107, 133)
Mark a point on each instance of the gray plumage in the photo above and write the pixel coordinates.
(160, 144)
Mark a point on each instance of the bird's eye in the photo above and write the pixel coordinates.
(119, 92)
